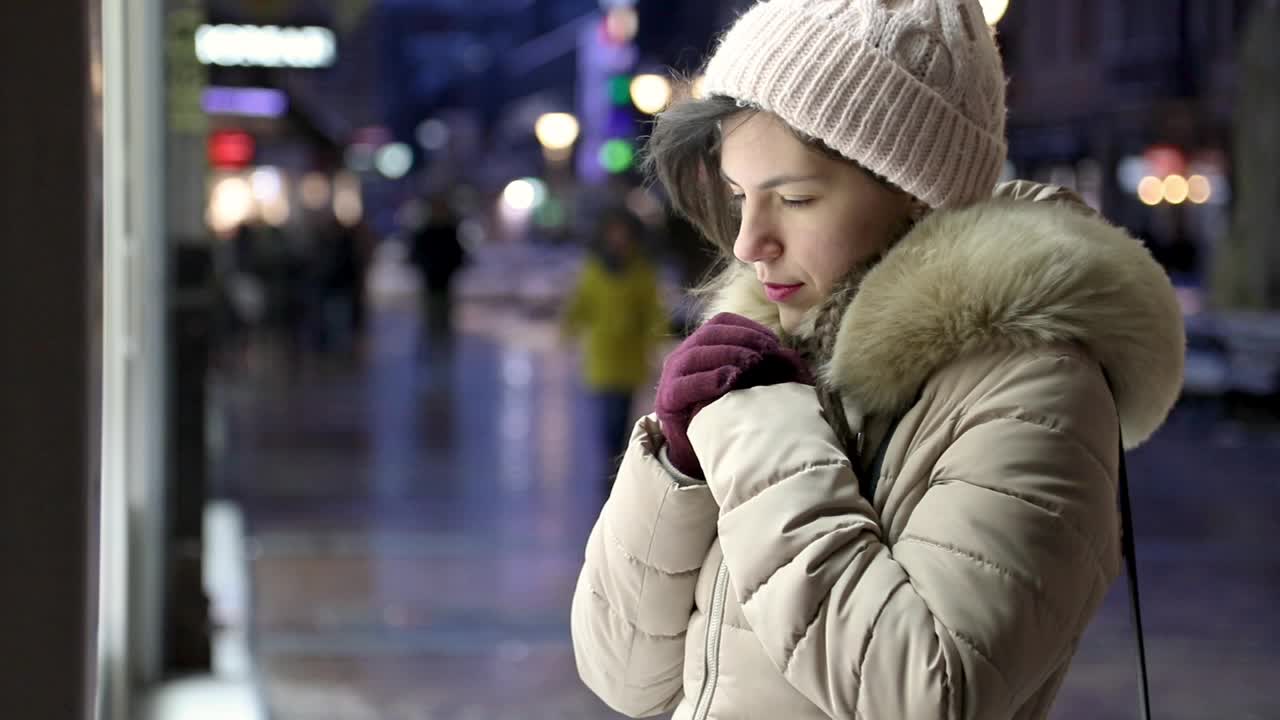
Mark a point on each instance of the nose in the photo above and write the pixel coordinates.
(758, 239)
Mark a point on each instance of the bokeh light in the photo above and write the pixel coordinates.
(557, 131)
(268, 188)
(266, 183)
(1199, 189)
(276, 212)
(650, 93)
(520, 195)
(315, 190)
(230, 204)
(620, 90)
(348, 203)
(621, 24)
(394, 160)
(433, 134)
(617, 156)
(1176, 189)
(1151, 190)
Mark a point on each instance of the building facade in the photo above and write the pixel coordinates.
(1107, 96)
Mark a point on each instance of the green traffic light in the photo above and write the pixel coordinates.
(617, 156)
(620, 90)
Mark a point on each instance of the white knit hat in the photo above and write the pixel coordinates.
(912, 90)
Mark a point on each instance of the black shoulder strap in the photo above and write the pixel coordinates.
(1127, 547)
(1126, 544)
(1131, 565)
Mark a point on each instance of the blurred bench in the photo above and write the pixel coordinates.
(1236, 352)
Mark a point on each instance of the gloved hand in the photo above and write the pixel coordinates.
(729, 352)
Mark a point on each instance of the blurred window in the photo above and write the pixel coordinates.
(1048, 32)
(1086, 27)
(1131, 17)
(1239, 14)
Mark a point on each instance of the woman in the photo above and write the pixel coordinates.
(616, 310)
(748, 563)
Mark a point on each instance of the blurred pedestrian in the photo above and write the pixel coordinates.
(880, 480)
(437, 252)
(242, 296)
(617, 312)
(343, 260)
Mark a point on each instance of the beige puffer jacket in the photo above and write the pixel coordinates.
(962, 588)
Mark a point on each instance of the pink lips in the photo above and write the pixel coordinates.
(778, 293)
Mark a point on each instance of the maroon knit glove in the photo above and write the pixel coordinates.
(729, 352)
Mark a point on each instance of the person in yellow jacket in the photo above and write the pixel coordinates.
(615, 310)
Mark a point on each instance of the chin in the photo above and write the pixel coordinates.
(790, 319)
(797, 321)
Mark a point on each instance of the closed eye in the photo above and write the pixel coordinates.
(737, 200)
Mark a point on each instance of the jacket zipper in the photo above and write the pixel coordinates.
(714, 622)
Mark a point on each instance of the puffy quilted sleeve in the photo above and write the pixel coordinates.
(981, 597)
(634, 597)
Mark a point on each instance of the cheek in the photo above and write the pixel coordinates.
(854, 240)
(832, 260)
(871, 233)
(843, 240)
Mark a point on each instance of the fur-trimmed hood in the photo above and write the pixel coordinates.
(1009, 273)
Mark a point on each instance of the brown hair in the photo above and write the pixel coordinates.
(683, 153)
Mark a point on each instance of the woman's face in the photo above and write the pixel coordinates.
(807, 219)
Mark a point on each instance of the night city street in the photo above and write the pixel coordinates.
(590, 359)
(417, 526)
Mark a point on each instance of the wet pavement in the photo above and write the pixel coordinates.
(417, 522)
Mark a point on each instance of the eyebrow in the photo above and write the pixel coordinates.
(776, 181)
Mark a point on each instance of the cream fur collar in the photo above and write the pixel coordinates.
(1003, 272)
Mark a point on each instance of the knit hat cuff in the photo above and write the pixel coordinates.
(827, 84)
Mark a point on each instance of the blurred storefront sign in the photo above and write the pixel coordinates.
(244, 101)
(604, 83)
(231, 149)
(266, 46)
